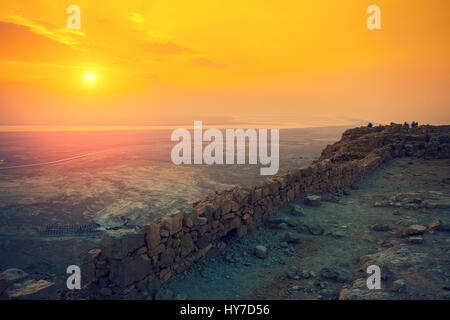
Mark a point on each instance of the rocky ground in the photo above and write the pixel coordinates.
(397, 218)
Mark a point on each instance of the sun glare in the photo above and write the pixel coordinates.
(90, 77)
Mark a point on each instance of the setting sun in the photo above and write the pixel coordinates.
(90, 77)
(286, 64)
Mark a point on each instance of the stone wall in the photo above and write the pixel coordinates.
(131, 263)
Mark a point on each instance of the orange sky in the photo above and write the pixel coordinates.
(284, 63)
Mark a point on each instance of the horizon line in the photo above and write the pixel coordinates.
(56, 128)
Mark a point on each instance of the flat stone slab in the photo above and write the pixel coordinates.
(312, 200)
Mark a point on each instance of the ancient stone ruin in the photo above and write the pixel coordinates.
(130, 261)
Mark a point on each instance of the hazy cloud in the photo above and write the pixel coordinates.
(204, 62)
(168, 48)
(60, 35)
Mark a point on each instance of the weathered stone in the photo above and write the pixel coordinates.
(292, 273)
(265, 189)
(435, 224)
(152, 235)
(157, 250)
(413, 230)
(355, 186)
(312, 200)
(380, 227)
(283, 180)
(202, 221)
(165, 275)
(290, 194)
(141, 250)
(328, 197)
(261, 251)
(132, 294)
(164, 234)
(173, 222)
(338, 234)
(282, 226)
(292, 237)
(438, 225)
(306, 274)
(167, 257)
(176, 243)
(187, 244)
(190, 218)
(230, 215)
(129, 270)
(306, 172)
(225, 206)
(315, 230)
(258, 194)
(215, 224)
(234, 224)
(203, 241)
(203, 252)
(415, 239)
(88, 269)
(203, 229)
(336, 275)
(118, 244)
(297, 210)
(293, 222)
(179, 267)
